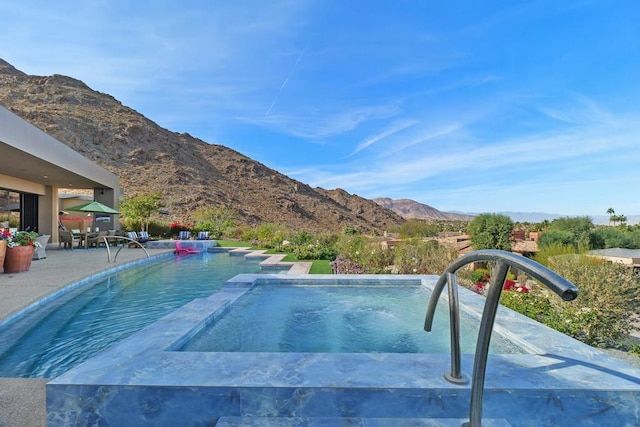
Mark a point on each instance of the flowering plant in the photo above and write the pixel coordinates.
(5, 235)
(177, 226)
(23, 238)
(509, 285)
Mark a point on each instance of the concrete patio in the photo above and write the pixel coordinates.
(22, 401)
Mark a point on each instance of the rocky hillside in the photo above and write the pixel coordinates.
(410, 209)
(188, 171)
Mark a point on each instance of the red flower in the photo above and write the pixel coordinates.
(478, 287)
(508, 285)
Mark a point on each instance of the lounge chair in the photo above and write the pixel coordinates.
(143, 237)
(184, 235)
(203, 235)
(134, 236)
(184, 250)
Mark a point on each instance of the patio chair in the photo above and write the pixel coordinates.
(112, 233)
(97, 240)
(203, 235)
(184, 235)
(184, 250)
(40, 253)
(68, 239)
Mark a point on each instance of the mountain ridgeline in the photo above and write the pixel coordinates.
(188, 172)
(410, 209)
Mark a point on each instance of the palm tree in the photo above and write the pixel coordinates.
(610, 212)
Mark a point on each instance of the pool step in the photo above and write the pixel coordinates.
(349, 422)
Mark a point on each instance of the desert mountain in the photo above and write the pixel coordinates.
(188, 171)
(410, 209)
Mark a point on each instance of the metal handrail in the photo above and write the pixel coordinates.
(106, 244)
(504, 261)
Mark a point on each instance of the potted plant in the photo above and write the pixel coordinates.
(5, 235)
(20, 249)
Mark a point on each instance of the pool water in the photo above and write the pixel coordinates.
(77, 325)
(335, 319)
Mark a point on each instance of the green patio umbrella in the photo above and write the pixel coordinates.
(94, 207)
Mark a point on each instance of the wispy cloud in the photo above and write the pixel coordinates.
(530, 155)
(392, 129)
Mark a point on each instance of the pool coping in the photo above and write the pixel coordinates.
(559, 369)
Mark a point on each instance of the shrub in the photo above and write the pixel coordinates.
(611, 237)
(159, 228)
(370, 257)
(480, 275)
(557, 237)
(599, 316)
(413, 228)
(217, 220)
(423, 257)
(351, 231)
(491, 231)
(536, 305)
(302, 238)
(248, 234)
(554, 250)
(311, 251)
(271, 235)
(607, 299)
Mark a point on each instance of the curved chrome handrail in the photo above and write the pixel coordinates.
(504, 261)
(106, 244)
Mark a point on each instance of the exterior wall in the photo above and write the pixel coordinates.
(518, 234)
(21, 186)
(51, 165)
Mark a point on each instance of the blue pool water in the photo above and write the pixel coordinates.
(335, 319)
(76, 326)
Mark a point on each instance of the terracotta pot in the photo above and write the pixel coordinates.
(18, 259)
(3, 250)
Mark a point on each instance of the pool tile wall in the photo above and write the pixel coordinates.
(143, 381)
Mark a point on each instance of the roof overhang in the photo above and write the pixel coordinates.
(30, 154)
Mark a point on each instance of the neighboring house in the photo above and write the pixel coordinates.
(34, 165)
(527, 248)
(630, 257)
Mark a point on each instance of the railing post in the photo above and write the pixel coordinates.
(504, 261)
(118, 251)
(455, 376)
(484, 339)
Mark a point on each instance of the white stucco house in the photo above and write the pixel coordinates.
(34, 166)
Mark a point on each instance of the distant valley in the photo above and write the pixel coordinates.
(411, 209)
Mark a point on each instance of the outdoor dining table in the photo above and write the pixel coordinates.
(85, 236)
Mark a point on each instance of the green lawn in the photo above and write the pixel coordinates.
(321, 266)
(233, 244)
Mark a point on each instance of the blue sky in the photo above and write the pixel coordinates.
(528, 106)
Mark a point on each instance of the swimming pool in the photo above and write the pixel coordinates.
(335, 319)
(146, 379)
(87, 319)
